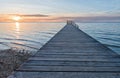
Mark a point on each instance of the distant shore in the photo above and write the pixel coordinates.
(10, 60)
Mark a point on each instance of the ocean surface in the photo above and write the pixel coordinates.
(106, 33)
(27, 36)
(32, 36)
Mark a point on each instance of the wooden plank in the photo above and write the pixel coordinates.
(72, 63)
(68, 68)
(76, 52)
(76, 55)
(75, 59)
(66, 75)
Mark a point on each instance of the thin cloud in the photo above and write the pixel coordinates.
(35, 15)
(91, 18)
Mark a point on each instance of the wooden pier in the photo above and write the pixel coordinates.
(71, 53)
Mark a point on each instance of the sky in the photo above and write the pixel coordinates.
(61, 10)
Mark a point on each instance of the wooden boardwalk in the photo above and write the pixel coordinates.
(71, 53)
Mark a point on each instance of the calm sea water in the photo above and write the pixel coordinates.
(106, 33)
(32, 36)
(28, 36)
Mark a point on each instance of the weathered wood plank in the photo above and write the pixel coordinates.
(74, 56)
(75, 59)
(74, 53)
(66, 75)
(69, 68)
(72, 63)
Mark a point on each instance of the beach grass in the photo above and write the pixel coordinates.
(10, 60)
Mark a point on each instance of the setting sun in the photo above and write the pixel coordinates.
(16, 18)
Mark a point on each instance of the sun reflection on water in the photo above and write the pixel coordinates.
(17, 27)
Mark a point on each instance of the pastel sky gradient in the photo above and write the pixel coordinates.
(61, 10)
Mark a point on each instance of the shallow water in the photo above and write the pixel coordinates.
(32, 36)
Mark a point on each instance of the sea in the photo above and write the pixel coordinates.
(32, 36)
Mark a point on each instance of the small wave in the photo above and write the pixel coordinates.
(47, 32)
(51, 33)
(3, 46)
(47, 36)
(6, 38)
(110, 45)
(29, 41)
(4, 43)
(18, 44)
(24, 45)
(116, 39)
(107, 33)
(22, 40)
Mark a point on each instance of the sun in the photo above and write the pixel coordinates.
(16, 18)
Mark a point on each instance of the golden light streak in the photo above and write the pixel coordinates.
(17, 27)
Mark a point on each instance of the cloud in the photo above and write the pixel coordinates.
(26, 15)
(91, 18)
(35, 15)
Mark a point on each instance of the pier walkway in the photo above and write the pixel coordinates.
(71, 53)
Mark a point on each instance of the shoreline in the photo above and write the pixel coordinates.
(10, 60)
